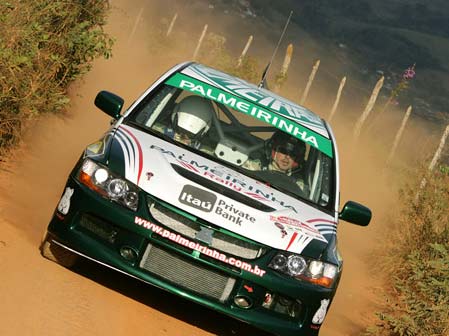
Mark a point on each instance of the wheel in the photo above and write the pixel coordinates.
(57, 253)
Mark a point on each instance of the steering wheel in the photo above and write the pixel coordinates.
(281, 180)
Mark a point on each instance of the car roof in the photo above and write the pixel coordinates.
(259, 96)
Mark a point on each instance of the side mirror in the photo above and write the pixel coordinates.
(355, 213)
(109, 103)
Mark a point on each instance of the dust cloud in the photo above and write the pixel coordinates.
(32, 184)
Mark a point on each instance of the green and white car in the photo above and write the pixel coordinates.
(206, 220)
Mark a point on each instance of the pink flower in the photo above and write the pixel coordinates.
(409, 73)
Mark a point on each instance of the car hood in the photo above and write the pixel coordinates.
(220, 195)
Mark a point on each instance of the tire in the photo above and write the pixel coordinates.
(56, 253)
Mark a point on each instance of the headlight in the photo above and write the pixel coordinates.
(102, 181)
(278, 262)
(295, 265)
(314, 271)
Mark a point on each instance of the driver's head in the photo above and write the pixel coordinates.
(192, 119)
(287, 152)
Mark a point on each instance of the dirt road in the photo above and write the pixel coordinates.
(38, 297)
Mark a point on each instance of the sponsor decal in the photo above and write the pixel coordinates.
(232, 214)
(197, 198)
(315, 228)
(250, 108)
(302, 233)
(256, 196)
(282, 228)
(64, 203)
(296, 224)
(318, 318)
(223, 177)
(258, 95)
(178, 239)
(149, 175)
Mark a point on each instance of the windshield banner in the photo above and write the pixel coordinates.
(241, 105)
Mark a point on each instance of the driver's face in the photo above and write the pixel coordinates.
(284, 162)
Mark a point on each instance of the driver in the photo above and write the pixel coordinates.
(284, 154)
(190, 121)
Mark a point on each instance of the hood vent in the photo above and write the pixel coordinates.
(222, 189)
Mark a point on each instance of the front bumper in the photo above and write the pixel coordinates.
(107, 233)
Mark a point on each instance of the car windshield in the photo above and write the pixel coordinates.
(239, 141)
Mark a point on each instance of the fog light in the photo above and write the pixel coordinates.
(283, 305)
(242, 302)
(128, 253)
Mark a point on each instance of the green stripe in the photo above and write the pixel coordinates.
(244, 106)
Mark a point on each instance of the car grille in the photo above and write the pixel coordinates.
(189, 228)
(187, 274)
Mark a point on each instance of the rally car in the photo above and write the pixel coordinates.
(179, 193)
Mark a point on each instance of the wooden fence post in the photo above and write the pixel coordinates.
(245, 50)
(337, 99)
(136, 24)
(172, 23)
(368, 108)
(309, 83)
(436, 158)
(398, 135)
(280, 80)
(197, 49)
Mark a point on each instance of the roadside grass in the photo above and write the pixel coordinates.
(45, 46)
(415, 260)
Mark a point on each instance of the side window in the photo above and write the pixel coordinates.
(326, 183)
(319, 178)
(153, 106)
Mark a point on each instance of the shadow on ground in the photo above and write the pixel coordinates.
(167, 303)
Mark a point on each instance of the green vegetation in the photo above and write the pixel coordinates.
(417, 260)
(44, 46)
